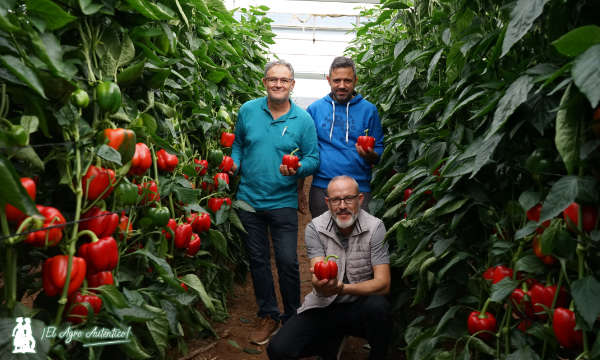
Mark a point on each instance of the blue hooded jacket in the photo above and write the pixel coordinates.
(338, 127)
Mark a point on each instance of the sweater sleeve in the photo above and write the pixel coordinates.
(310, 150)
(236, 149)
(376, 131)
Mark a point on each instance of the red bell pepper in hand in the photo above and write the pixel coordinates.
(221, 176)
(226, 164)
(12, 213)
(563, 323)
(194, 245)
(291, 160)
(100, 278)
(537, 250)
(149, 190)
(100, 255)
(49, 237)
(101, 222)
(542, 296)
(183, 235)
(366, 142)
(588, 213)
(200, 222)
(214, 204)
(478, 322)
(227, 138)
(122, 140)
(326, 269)
(201, 170)
(98, 182)
(165, 161)
(497, 273)
(54, 274)
(78, 312)
(142, 159)
(171, 224)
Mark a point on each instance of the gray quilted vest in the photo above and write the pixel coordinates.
(355, 263)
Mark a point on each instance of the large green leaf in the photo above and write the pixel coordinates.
(158, 328)
(88, 7)
(586, 74)
(50, 12)
(567, 137)
(11, 190)
(561, 195)
(515, 95)
(23, 73)
(521, 19)
(194, 282)
(586, 293)
(578, 40)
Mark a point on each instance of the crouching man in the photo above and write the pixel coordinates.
(352, 303)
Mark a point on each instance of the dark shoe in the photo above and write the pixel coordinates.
(263, 331)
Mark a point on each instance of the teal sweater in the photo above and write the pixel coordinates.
(260, 143)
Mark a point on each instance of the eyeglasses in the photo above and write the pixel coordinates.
(348, 200)
(283, 81)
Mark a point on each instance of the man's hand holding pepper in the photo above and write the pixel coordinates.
(326, 287)
(287, 171)
(369, 155)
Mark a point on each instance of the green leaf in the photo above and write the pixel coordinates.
(218, 241)
(522, 18)
(194, 282)
(109, 154)
(530, 264)
(51, 13)
(242, 205)
(144, 8)
(133, 349)
(525, 352)
(448, 315)
(400, 46)
(111, 295)
(572, 107)
(586, 74)
(577, 40)
(28, 155)
(216, 76)
(67, 115)
(235, 221)
(515, 95)
(158, 328)
(406, 77)
(131, 73)
(88, 7)
(162, 266)
(11, 190)
(433, 64)
(502, 289)
(51, 52)
(561, 195)
(586, 293)
(23, 73)
(395, 4)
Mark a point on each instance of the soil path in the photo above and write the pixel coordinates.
(233, 342)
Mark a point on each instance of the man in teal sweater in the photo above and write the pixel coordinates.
(267, 129)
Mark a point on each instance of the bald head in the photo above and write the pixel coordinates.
(343, 181)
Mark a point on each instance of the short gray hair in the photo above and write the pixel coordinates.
(270, 64)
(342, 62)
(343, 177)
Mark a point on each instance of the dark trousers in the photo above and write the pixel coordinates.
(283, 226)
(317, 205)
(313, 331)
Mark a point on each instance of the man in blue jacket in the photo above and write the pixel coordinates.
(340, 118)
(267, 129)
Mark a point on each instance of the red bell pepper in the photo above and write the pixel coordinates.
(165, 161)
(291, 160)
(100, 278)
(221, 176)
(172, 224)
(201, 170)
(101, 255)
(537, 250)
(77, 312)
(184, 286)
(497, 273)
(366, 142)
(407, 193)
(101, 222)
(122, 140)
(588, 213)
(227, 138)
(149, 190)
(226, 164)
(142, 159)
(124, 230)
(183, 235)
(12, 213)
(563, 323)
(200, 222)
(326, 269)
(479, 322)
(98, 182)
(49, 237)
(542, 296)
(194, 245)
(54, 274)
(533, 214)
(214, 204)
(522, 301)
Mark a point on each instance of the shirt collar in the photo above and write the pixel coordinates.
(291, 114)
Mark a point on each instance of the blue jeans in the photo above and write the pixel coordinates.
(283, 226)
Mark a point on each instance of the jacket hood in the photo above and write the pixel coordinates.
(356, 99)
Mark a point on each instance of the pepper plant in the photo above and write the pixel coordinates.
(488, 112)
(90, 92)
